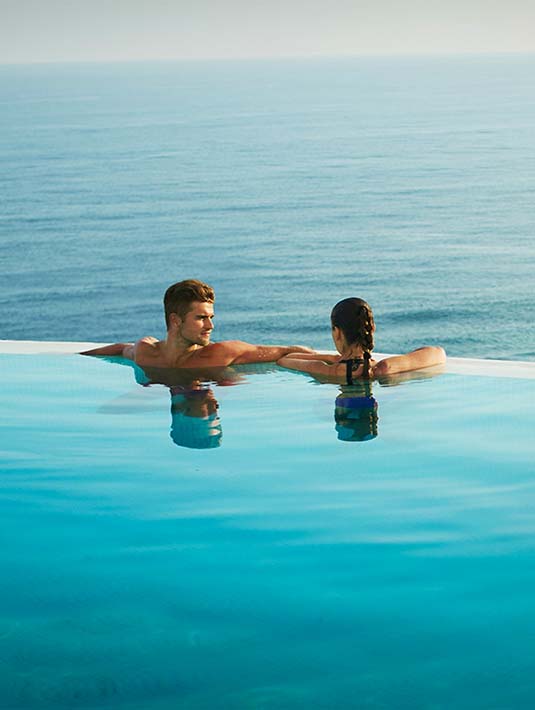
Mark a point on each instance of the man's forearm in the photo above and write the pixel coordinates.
(114, 349)
(283, 350)
(266, 353)
(313, 355)
(286, 350)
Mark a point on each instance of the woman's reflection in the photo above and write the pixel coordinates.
(355, 413)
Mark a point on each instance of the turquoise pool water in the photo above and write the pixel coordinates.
(281, 566)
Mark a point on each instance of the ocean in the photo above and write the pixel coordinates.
(286, 185)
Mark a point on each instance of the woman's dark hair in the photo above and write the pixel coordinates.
(354, 317)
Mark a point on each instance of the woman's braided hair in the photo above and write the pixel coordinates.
(354, 317)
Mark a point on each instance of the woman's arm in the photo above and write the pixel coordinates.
(416, 360)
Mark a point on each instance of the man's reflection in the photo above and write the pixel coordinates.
(194, 417)
(355, 413)
(195, 421)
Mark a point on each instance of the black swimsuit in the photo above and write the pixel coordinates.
(352, 364)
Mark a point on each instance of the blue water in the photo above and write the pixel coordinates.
(287, 185)
(283, 569)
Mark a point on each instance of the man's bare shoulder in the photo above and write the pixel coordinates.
(147, 340)
(225, 346)
(223, 353)
(147, 351)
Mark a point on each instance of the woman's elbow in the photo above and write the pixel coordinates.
(437, 354)
(382, 368)
(429, 356)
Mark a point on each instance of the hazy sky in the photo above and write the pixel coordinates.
(94, 30)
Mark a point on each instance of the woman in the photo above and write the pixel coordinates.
(352, 331)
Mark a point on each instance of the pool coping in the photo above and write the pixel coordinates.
(466, 366)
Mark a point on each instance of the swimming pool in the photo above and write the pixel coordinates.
(265, 554)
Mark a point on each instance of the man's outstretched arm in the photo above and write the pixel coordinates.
(122, 349)
(241, 353)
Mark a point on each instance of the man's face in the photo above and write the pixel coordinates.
(197, 325)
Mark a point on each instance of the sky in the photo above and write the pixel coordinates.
(124, 30)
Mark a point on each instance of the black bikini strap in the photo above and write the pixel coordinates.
(350, 365)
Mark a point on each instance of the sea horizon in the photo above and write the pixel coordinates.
(285, 183)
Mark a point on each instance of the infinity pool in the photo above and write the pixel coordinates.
(260, 541)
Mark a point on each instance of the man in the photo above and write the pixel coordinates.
(189, 313)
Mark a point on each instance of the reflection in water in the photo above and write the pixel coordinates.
(355, 413)
(195, 422)
(194, 419)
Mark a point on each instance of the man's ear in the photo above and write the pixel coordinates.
(174, 320)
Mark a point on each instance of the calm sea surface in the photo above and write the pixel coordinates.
(287, 185)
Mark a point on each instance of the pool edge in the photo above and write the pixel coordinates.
(457, 365)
